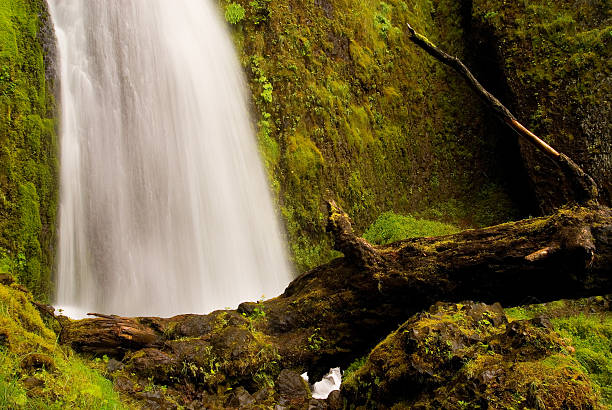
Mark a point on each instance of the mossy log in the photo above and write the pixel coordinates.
(333, 313)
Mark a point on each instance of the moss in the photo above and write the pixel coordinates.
(469, 356)
(390, 227)
(586, 326)
(555, 58)
(357, 110)
(28, 147)
(55, 377)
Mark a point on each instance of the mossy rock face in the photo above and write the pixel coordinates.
(555, 71)
(469, 356)
(28, 144)
(347, 104)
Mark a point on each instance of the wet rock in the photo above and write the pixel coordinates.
(114, 365)
(334, 400)
(151, 362)
(154, 400)
(4, 339)
(34, 386)
(239, 398)
(124, 385)
(33, 382)
(292, 389)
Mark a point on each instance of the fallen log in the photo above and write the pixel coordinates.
(331, 314)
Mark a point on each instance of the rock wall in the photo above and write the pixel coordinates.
(347, 106)
(28, 143)
(555, 63)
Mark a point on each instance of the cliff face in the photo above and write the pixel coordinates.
(554, 68)
(346, 104)
(28, 143)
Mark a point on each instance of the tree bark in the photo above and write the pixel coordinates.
(583, 184)
(336, 312)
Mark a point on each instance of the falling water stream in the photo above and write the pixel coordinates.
(164, 204)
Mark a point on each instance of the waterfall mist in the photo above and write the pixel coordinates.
(164, 203)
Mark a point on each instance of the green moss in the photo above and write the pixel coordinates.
(64, 381)
(390, 227)
(354, 109)
(589, 336)
(28, 148)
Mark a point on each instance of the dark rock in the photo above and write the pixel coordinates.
(292, 389)
(240, 398)
(247, 308)
(33, 382)
(193, 326)
(34, 386)
(114, 365)
(263, 394)
(154, 400)
(4, 339)
(317, 404)
(151, 362)
(36, 361)
(124, 385)
(468, 353)
(334, 400)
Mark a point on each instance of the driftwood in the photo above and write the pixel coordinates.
(583, 184)
(330, 315)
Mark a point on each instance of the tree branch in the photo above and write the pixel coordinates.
(584, 186)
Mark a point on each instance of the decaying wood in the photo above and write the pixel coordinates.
(583, 184)
(107, 335)
(332, 313)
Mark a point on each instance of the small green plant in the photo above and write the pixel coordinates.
(266, 94)
(260, 11)
(7, 85)
(234, 13)
(315, 341)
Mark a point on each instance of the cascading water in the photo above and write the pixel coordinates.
(164, 204)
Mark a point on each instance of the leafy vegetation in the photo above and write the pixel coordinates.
(234, 13)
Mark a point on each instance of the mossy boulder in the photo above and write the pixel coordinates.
(469, 355)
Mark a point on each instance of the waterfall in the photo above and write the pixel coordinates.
(164, 204)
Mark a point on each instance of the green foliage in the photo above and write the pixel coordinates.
(260, 11)
(234, 13)
(353, 367)
(391, 227)
(315, 340)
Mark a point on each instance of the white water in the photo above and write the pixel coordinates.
(164, 204)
